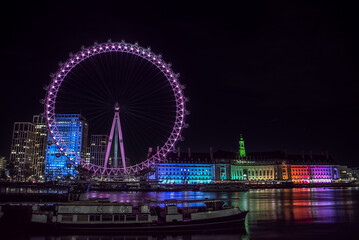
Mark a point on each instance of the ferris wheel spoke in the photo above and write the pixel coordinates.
(81, 86)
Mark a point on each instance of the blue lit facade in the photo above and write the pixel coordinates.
(184, 168)
(177, 173)
(74, 131)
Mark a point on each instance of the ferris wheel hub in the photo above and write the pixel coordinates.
(117, 107)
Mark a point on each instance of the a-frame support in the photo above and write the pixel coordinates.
(116, 120)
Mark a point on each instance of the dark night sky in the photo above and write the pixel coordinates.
(282, 73)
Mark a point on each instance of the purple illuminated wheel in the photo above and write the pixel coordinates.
(119, 47)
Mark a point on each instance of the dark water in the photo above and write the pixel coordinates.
(303, 213)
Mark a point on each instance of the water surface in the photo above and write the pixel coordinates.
(300, 213)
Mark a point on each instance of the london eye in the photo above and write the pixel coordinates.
(126, 85)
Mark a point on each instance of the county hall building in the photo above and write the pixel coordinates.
(261, 167)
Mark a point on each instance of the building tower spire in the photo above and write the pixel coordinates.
(242, 150)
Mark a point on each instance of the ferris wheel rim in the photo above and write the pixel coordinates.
(121, 47)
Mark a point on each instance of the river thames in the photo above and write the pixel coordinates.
(299, 213)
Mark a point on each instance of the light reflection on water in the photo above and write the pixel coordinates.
(310, 213)
(273, 210)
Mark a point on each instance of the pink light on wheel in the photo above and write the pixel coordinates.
(133, 49)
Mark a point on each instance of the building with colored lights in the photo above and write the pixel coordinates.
(22, 151)
(98, 146)
(74, 131)
(259, 167)
(185, 168)
(278, 165)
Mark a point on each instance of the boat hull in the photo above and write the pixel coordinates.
(233, 222)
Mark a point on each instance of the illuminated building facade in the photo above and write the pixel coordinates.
(74, 131)
(22, 151)
(297, 168)
(260, 167)
(40, 132)
(185, 168)
(98, 147)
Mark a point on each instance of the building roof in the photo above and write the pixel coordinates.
(185, 157)
(278, 157)
(274, 157)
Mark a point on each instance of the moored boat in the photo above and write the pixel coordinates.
(168, 215)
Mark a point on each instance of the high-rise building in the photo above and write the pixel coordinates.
(40, 145)
(88, 155)
(3, 167)
(74, 131)
(2, 163)
(22, 151)
(98, 146)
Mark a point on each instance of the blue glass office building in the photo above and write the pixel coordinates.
(74, 130)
